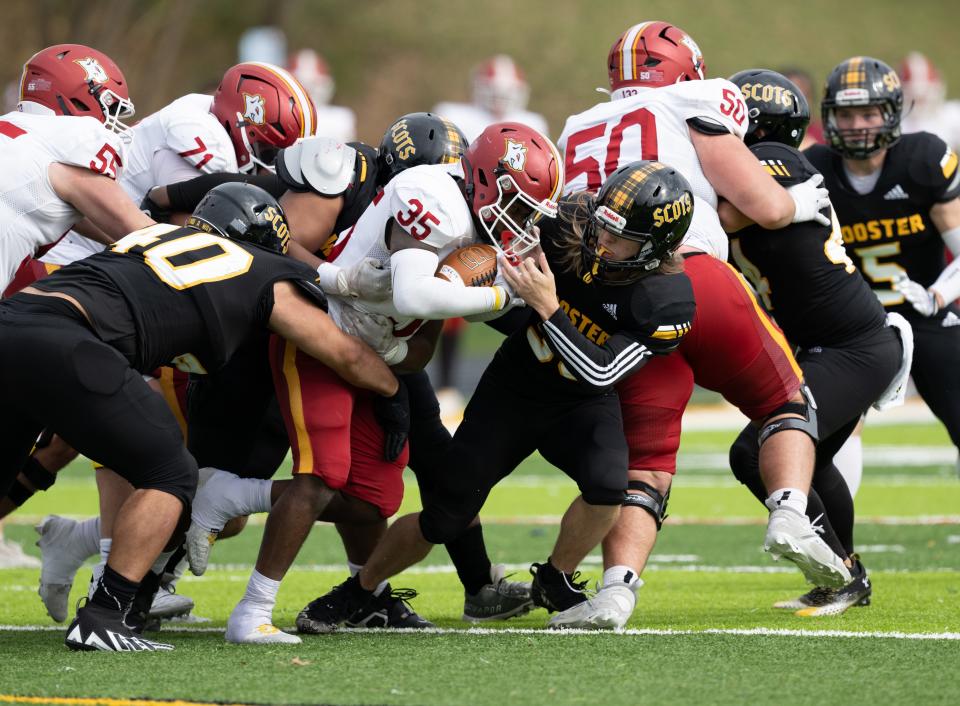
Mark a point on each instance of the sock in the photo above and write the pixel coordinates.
(98, 569)
(468, 552)
(261, 594)
(355, 569)
(793, 498)
(114, 591)
(225, 496)
(175, 567)
(622, 574)
(838, 504)
(161, 562)
(849, 461)
(87, 535)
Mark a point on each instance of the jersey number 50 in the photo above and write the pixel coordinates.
(641, 118)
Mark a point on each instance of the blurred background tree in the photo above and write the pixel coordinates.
(393, 56)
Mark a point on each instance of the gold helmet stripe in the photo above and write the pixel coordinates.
(305, 108)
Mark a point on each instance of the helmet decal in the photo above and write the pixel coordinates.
(94, 71)
(516, 155)
(254, 108)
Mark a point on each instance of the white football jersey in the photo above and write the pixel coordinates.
(943, 121)
(472, 119)
(427, 203)
(652, 124)
(31, 213)
(178, 142)
(337, 122)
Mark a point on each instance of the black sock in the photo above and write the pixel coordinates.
(818, 515)
(835, 494)
(468, 552)
(114, 592)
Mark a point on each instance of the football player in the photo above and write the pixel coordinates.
(510, 173)
(661, 104)
(500, 94)
(312, 71)
(896, 198)
(604, 296)
(257, 109)
(924, 95)
(97, 325)
(849, 349)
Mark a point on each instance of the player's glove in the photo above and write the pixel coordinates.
(513, 301)
(810, 198)
(920, 298)
(376, 331)
(393, 415)
(365, 280)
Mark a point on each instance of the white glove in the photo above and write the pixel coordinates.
(513, 301)
(376, 331)
(809, 198)
(366, 280)
(920, 298)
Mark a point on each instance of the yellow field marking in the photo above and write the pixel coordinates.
(100, 701)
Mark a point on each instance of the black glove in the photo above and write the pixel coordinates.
(154, 210)
(393, 414)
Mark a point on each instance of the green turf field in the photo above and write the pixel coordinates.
(704, 630)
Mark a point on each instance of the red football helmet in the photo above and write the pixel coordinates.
(922, 86)
(73, 79)
(312, 71)
(513, 177)
(499, 86)
(264, 109)
(654, 54)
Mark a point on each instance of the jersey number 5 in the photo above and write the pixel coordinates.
(641, 119)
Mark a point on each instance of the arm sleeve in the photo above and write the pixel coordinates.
(596, 366)
(185, 195)
(418, 293)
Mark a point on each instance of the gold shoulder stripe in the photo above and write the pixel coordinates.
(671, 332)
(949, 164)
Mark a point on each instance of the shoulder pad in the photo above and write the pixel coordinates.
(427, 203)
(85, 142)
(933, 164)
(319, 164)
(201, 141)
(784, 163)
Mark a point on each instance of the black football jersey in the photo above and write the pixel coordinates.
(176, 296)
(801, 273)
(601, 333)
(888, 232)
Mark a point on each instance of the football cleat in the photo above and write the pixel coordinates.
(61, 558)
(816, 596)
(249, 624)
(609, 609)
(324, 614)
(199, 543)
(498, 600)
(836, 601)
(554, 590)
(98, 628)
(389, 610)
(790, 535)
(169, 604)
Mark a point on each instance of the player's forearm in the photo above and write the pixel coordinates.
(419, 294)
(100, 199)
(731, 218)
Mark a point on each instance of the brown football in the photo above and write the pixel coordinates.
(472, 266)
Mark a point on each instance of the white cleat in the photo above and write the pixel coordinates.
(167, 604)
(609, 609)
(199, 543)
(61, 558)
(255, 629)
(12, 556)
(790, 535)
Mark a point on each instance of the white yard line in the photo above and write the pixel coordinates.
(632, 632)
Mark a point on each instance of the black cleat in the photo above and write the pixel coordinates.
(836, 601)
(389, 610)
(99, 628)
(322, 615)
(555, 590)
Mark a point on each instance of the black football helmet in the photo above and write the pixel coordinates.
(419, 138)
(777, 108)
(860, 81)
(243, 212)
(647, 202)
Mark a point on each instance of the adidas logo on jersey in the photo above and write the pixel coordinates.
(611, 309)
(895, 194)
(949, 320)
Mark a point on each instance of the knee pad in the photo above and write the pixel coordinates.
(808, 424)
(440, 525)
(650, 500)
(744, 459)
(38, 476)
(178, 477)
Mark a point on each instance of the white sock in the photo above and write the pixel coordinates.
(849, 461)
(794, 498)
(260, 596)
(622, 574)
(105, 544)
(161, 562)
(87, 536)
(98, 569)
(225, 496)
(355, 569)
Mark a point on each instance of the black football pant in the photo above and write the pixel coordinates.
(55, 373)
(844, 383)
(936, 366)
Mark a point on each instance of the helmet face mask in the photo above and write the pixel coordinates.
(858, 83)
(777, 108)
(645, 202)
(513, 178)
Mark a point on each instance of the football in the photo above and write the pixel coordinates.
(471, 266)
